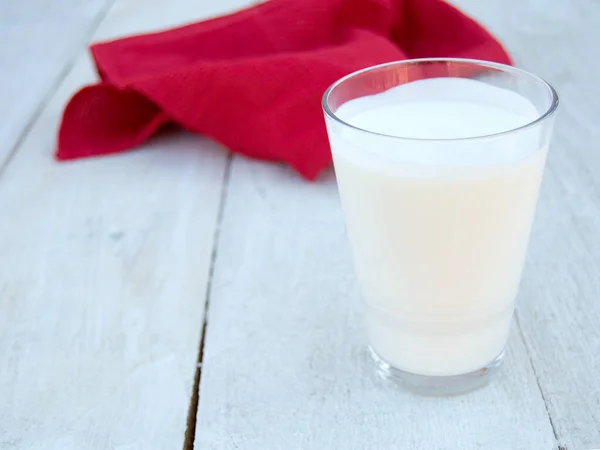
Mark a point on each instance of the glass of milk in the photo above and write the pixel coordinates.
(439, 164)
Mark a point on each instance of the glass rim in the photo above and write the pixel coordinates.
(479, 62)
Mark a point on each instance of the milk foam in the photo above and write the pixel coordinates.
(442, 108)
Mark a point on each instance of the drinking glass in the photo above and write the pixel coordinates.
(439, 227)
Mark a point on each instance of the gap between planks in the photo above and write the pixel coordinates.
(537, 379)
(190, 429)
(49, 94)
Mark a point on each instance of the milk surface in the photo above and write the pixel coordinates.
(438, 228)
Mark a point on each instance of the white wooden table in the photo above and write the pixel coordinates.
(181, 298)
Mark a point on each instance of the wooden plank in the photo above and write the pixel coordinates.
(103, 277)
(284, 368)
(559, 307)
(285, 363)
(38, 40)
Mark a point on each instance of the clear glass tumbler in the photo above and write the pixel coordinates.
(439, 164)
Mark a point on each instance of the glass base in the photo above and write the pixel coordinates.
(437, 385)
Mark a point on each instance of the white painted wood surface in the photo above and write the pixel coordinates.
(39, 39)
(105, 267)
(103, 277)
(284, 361)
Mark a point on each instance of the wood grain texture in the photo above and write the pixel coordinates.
(103, 277)
(559, 306)
(39, 39)
(285, 363)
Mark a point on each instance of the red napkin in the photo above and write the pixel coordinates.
(253, 80)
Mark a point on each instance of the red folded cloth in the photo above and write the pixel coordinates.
(253, 80)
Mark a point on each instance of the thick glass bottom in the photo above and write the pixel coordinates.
(437, 385)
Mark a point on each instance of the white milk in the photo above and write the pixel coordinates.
(439, 229)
